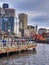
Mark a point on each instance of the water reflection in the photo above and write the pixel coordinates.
(34, 51)
(38, 56)
(18, 54)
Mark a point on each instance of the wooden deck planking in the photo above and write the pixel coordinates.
(15, 48)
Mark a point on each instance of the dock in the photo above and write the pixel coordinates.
(6, 49)
(17, 45)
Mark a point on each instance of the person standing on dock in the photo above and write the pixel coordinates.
(4, 42)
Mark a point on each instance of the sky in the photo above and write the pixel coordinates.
(37, 10)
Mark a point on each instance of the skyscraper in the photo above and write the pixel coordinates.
(8, 20)
(9, 12)
(22, 22)
(7, 16)
(2, 12)
(8, 24)
(5, 5)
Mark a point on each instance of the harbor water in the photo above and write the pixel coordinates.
(39, 56)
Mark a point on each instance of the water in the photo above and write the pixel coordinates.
(38, 57)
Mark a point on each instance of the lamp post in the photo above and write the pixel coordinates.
(8, 35)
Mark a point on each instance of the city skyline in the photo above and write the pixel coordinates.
(37, 10)
(7, 17)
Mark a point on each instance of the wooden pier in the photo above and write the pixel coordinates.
(6, 49)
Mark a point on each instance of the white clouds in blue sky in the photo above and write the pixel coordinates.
(37, 10)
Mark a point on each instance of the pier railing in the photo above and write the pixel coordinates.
(14, 43)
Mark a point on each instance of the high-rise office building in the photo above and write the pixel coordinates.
(2, 11)
(7, 16)
(5, 5)
(9, 12)
(0, 22)
(22, 23)
(8, 24)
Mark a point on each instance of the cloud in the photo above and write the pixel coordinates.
(33, 14)
(41, 19)
(27, 4)
(38, 5)
(36, 18)
(1, 4)
(37, 10)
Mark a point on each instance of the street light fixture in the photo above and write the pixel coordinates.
(8, 35)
